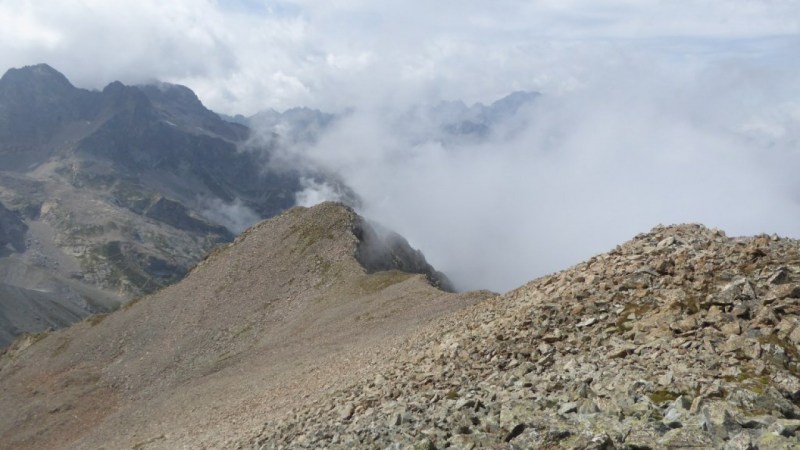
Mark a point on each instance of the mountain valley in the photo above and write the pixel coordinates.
(107, 195)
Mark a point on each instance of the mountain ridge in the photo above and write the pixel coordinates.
(681, 337)
(288, 293)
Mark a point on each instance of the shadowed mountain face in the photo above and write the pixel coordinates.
(12, 232)
(35, 102)
(380, 249)
(123, 189)
(285, 312)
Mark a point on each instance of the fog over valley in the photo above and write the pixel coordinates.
(504, 143)
(570, 175)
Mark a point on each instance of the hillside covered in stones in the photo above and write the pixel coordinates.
(285, 313)
(680, 338)
(315, 329)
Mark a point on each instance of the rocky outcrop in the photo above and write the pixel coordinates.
(175, 214)
(380, 249)
(180, 106)
(680, 338)
(12, 231)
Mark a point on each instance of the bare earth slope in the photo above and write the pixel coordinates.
(273, 321)
(680, 338)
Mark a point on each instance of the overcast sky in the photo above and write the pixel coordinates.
(654, 111)
(244, 55)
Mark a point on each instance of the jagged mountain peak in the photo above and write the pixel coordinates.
(511, 103)
(176, 100)
(180, 106)
(34, 102)
(176, 92)
(118, 97)
(39, 74)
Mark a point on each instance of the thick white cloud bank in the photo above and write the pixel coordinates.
(635, 147)
(245, 55)
(652, 111)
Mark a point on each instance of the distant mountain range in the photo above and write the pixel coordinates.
(449, 121)
(458, 120)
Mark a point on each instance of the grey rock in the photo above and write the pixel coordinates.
(741, 441)
(567, 408)
(785, 427)
(780, 276)
(346, 411)
(697, 355)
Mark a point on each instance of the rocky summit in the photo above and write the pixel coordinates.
(679, 338)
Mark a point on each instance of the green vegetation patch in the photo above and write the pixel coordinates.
(748, 380)
(85, 231)
(124, 268)
(786, 345)
(132, 196)
(452, 395)
(381, 280)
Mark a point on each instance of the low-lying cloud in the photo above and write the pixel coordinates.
(235, 215)
(632, 147)
(315, 192)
